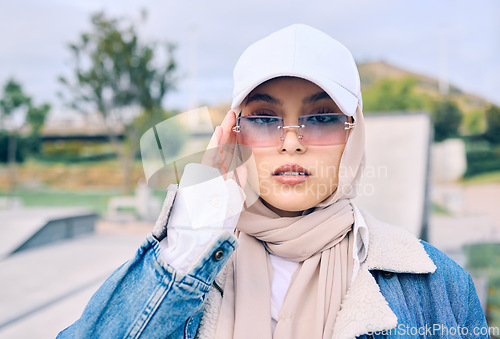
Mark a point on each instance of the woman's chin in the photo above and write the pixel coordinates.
(287, 206)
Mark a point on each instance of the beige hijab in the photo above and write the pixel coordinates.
(321, 242)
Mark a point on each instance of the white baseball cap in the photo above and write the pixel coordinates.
(305, 52)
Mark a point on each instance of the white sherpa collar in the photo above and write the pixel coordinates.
(392, 249)
(395, 249)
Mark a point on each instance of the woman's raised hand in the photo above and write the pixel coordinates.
(220, 151)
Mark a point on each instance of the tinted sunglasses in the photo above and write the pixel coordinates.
(312, 130)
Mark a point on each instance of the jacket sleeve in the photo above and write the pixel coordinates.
(475, 319)
(205, 205)
(457, 286)
(146, 297)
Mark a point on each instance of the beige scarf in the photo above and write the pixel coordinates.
(320, 241)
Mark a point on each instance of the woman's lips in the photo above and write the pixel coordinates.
(291, 179)
(291, 174)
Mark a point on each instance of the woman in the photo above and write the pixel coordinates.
(309, 264)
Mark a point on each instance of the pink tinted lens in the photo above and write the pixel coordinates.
(323, 129)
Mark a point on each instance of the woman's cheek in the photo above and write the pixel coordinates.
(253, 179)
(265, 190)
(263, 180)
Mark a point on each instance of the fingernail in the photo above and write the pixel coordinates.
(225, 117)
(227, 114)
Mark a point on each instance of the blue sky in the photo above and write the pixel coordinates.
(454, 37)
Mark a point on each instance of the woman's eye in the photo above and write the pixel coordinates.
(323, 110)
(326, 110)
(322, 118)
(263, 119)
(262, 113)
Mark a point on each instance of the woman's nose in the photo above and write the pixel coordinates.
(291, 141)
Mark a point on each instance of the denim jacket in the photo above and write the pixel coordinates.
(406, 288)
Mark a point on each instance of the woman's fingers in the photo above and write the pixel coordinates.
(220, 151)
(228, 140)
(210, 155)
(221, 147)
(227, 126)
(240, 175)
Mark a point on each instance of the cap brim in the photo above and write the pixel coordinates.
(346, 100)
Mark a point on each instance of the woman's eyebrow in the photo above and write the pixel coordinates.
(264, 97)
(315, 97)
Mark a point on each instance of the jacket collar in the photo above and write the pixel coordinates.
(395, 249)
(392, 249)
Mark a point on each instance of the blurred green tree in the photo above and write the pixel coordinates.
(447, 118)
(493, 124)
(474, 122)
(394, 95)
(17, 111)
(35, 118)
(13, 99)
(117, 75)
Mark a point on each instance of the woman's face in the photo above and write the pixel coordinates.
(292, 177)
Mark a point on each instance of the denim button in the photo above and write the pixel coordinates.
(218, 255)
